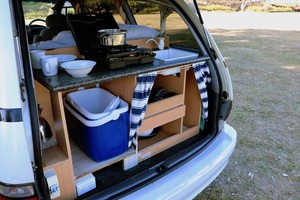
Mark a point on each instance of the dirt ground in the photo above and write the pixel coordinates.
(265, 70)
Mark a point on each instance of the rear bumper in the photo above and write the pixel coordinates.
(189, 180)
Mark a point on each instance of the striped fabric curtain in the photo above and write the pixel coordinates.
(203, 77)
(139, 104)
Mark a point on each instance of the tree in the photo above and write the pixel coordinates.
(244, 4)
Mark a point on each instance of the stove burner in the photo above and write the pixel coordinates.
(119, 56)
(119, 51)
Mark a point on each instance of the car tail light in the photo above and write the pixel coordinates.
(26, 192)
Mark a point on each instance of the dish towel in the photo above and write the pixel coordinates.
(203, 77)
(139, 104)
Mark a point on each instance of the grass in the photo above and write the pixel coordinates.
(265, 71)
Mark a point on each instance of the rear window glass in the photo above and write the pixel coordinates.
(148, 20)
(165, 21)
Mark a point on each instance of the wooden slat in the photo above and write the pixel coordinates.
(162, 118)
(192, 101)
(163, 105)
(83, 165)
(157, 144)
(189, 132)
(66, 180)
(123, 87)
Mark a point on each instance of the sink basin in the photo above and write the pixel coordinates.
(172, 54)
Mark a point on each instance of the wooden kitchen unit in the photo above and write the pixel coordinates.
(177, 118)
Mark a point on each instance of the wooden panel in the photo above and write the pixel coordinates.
(189, 132)
(66, 180)
(173, 127)
(163, 105)
(123, 87)
(53, 156)
(173, 83)
(162, 118)
(157, 144)
(60, 124)
(83, 165)
(192, 101)
(43, 98)
(64, 170)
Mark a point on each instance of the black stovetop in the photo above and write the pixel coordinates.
(113, 57)
(120, 51)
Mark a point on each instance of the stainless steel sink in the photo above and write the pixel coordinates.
(173, 54)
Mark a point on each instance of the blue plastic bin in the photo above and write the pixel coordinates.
(102, 138)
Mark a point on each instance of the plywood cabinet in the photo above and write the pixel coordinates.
(177, 118)
(58, 157)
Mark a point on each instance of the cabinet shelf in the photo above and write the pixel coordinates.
(53, 156)
(162, 118)
(83, 165)
(165, 104)
(160, 137)
(151, 146)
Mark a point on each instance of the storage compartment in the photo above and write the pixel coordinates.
(174, 84)
(167, 136)
(191, 121)
(102, 138)
(165, 114)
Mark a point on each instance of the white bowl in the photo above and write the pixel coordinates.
(78, 68)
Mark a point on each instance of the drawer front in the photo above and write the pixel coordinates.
(164, 105)
(161, 118)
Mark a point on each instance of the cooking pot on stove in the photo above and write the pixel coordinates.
(112, 37)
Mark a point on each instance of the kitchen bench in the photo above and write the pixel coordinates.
(178, 116)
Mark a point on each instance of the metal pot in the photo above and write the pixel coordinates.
(112, 37)
(45, 129)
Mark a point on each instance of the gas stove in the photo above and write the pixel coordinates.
(114, 57)
(85, 28)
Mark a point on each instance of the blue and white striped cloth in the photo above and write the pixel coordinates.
(203, 77)
(139, 104)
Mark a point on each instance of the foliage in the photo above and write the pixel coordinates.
(106, 5)
(235, 5)
(269, 8)
(143, 8)
(100, 6)
(34, 10)
(214, 7)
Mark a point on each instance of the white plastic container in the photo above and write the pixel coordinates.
(100, 102)
(101, 138)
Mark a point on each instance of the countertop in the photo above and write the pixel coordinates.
(63, 81)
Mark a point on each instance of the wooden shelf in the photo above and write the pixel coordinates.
(53, 156)
(162, 118)
(189, 132)
(164, 105)
(152, 146)
(83, 165)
